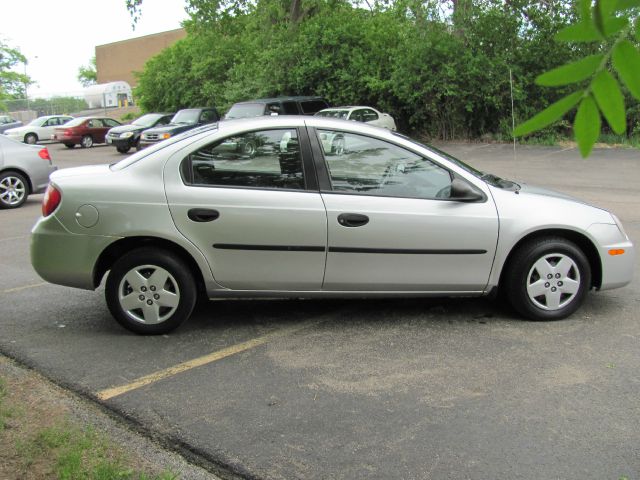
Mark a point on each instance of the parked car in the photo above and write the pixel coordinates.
(388, 216)
(39, 129)
(84, 131)
(276, 106)
(7, 122)
(182, 121)
(24, 170)
(125, 137)
(360, 114)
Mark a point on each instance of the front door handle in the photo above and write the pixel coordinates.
(352, 219)
(203, 214)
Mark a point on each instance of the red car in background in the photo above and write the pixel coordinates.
(84, 131)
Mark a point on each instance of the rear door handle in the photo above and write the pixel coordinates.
(352, 219)
(203, 214)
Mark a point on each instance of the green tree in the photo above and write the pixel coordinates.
(12, 83)
(87, 74)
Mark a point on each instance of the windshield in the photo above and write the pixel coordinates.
(147, 120)
(37, 122)
(75, 122)
(188, 117)
(245, 110)
(333, 113)
(491, 179)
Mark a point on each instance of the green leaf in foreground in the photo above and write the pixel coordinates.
(580, 32)
(549, 115)
(587, 125)
(626, 4)
(610, 100)
(570, 73)
(626, 61)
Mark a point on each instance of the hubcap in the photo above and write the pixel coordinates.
(12, 190)
(149, 294)
(553, 281)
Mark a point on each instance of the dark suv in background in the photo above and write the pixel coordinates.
(182, 121)
(277, 106)
(125, 137)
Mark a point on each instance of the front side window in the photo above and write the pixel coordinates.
(109, 122)
(290, 108)
(262, 159)
(368, 166)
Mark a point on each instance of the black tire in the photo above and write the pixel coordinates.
(148, 261)
(70, 145)
(87, 141)
(528, 273)
(123, 149)
(31, 138)
(14, 190)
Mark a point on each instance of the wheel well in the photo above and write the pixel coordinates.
(117, 249)
(579, 239)
(24, 174)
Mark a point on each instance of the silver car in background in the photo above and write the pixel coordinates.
(24, 170)
(380, 216)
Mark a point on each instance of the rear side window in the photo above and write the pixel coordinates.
(262, 159)
(290, 108)
(309, 107)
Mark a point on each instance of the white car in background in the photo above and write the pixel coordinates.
(360, 114)
(39, 129)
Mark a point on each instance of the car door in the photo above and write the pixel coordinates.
(392, 224)
(256, 215)
(46, 130)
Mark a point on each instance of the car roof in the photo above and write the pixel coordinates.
(282, 99)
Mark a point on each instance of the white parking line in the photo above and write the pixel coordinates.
(24, 287)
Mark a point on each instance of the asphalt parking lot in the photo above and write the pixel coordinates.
(349, 389)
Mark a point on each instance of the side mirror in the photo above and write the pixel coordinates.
(461, 191)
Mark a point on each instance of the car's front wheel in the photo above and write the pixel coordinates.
(123, 149)
(14, 190)
(548, 279)
(150, 291)
(70, 145)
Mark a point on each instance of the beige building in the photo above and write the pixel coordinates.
(117, 61)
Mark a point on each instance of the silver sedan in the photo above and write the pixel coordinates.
(383, 215)
(24, 170)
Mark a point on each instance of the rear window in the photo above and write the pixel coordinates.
(245, 110)
(309, 107)
(75, 122)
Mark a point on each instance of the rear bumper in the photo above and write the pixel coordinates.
(65, 258)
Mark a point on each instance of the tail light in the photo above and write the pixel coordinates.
(68, 132)
(44, 154)
(51, 200)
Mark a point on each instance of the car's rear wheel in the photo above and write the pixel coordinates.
(14, 190)
(548, 279)
(150, 291)
(86, 142)
(69, 145)
(30, 138)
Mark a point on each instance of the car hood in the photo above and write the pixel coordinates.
(127, 128)
(172, 128)
(16, 129)
(527, 189)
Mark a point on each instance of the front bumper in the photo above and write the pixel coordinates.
(65, 258)
(617, 269)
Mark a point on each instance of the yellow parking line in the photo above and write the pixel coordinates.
(197, 362)
(24, 287)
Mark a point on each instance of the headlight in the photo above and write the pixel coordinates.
(620, 227)
(126, 135)
(166, 135)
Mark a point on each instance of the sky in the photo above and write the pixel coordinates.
(57, 37)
